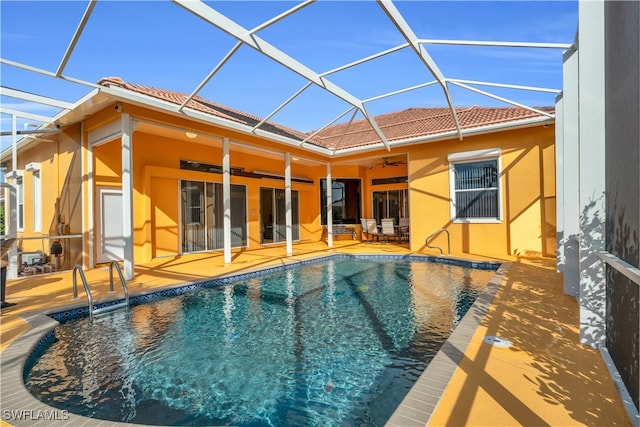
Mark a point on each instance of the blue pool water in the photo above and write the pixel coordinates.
(333, 343)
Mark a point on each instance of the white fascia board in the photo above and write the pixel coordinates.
(171, 108)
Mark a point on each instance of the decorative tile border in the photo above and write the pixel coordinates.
(76, 313)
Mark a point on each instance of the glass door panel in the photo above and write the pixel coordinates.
(273, 211)
(193, 216)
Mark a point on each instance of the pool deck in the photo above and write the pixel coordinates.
(546, 378)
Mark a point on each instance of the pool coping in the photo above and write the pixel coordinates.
(21, 408)
(419, 404)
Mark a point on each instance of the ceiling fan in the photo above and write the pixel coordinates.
(386, 162)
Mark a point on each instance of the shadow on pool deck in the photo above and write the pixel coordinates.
(546, 378)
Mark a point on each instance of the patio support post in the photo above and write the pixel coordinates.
(592, 172)
(12, 271)
(569, 170)
(329, 208)
(287, 200)
(559, 135)
(226, 196)
(127, 195)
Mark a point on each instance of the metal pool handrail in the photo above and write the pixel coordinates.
(122, 281)
(92, 311)
(78, 269)
(426, 242)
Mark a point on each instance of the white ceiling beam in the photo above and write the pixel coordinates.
(281, 16)
(506, 86)
(26, 96)
(398, 20)
(211, 74)
(47, 73)
(281, 106)
(499, 98)
(562, 46)
(363, 60)
(353, 116)
(24, 115)
(240, 33)
(397, 92)
(76, 37)
(237, 46)
(327, 125)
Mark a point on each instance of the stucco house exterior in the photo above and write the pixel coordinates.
(130, 148)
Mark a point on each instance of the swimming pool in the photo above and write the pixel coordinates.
(336, 342)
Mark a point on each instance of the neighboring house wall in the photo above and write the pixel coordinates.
(527, 188)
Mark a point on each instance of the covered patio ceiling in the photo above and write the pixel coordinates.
(311, 66)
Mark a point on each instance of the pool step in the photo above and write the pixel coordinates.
(110, 308)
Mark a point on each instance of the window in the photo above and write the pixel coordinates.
(345, 198)
(475, 186)
(20, 196)
(37, 201)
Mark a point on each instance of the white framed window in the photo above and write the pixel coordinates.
(37, 201)
(475, 191)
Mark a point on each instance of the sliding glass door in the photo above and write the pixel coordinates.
(203, 216)
(273, 211)
(390, 204)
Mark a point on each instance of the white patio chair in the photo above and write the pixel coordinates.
(370, 228)
(388, 230)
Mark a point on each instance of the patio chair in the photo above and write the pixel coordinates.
(388, 230)
(370, 228)
(403, 228)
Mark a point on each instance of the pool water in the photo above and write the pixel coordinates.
(334, 343)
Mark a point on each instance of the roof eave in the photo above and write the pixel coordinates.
(443, 136)
(126, 95)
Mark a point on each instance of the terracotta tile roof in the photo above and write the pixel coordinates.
(399, 125)
(418, 122)
(200, 104)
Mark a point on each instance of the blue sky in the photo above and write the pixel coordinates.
(158, 43)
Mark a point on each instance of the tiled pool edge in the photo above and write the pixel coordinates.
(419, 404)
(20, 408)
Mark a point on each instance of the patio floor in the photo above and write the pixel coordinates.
(546, 378)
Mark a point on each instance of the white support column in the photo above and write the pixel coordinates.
(226, 196)
(569, 172)
(90, 204)
(14, 143)
(287, 199)
(592, 172)
(559, 185)
(329, 208)
(12, 270)
(127, 195)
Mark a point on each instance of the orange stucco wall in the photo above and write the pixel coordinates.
(61, 198)
(527, 190)
(527, 184)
